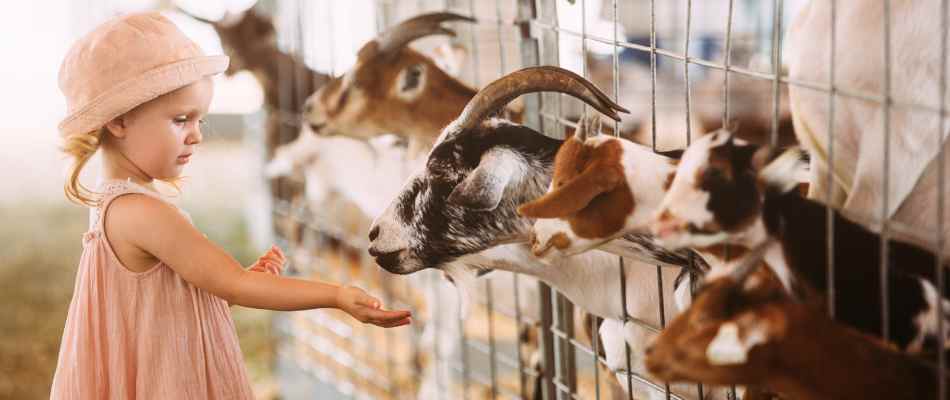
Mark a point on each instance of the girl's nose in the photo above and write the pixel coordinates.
(195, 136)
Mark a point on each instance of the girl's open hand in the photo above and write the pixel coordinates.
(367, 309)
(271, 262)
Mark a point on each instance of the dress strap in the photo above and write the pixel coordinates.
(113, 189)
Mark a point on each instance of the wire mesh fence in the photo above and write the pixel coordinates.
(683, 68)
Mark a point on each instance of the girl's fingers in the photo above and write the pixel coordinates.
(276, 252)
(385, 316)
(366, 300)
(393, 324)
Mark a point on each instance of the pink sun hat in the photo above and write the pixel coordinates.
(124, 63)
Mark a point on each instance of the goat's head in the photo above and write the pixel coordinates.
(727, 335)
(243, 35)
(603, 187)
(392, 88)
(716, 194)
(465, 199)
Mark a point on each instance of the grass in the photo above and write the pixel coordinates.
(41, 245)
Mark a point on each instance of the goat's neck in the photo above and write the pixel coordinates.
(853, 366)
(583, 278)
(444, 100)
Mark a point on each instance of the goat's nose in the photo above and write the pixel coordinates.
(648, 350)
(373, 234)
(665, 224)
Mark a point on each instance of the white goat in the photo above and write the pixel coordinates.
(858, 124)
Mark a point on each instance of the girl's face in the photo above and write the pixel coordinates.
(159, 137)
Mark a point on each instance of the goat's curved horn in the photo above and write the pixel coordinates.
(411, 29)
(231, 18)
(535, 79)
(195, 17)
(228, 20)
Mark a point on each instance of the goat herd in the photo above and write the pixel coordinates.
(774, 291)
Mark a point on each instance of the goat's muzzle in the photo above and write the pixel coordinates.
(388, 260)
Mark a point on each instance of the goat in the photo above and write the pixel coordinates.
(591, 199)
(857, 179)
(605, 188)
(743, 329)
(249, 38)
(728, 191)
(461, 209)
(392, 89)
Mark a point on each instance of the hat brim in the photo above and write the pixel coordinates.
(134, 92)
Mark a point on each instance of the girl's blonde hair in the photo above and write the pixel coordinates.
(81, 147)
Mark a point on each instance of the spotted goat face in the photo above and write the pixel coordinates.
(465, 200)
(714, 196)
(603, 187)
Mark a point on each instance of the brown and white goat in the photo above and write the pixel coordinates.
(743, 329)
(606, 188)
(603, 187)
(727, 191)
(393, 89)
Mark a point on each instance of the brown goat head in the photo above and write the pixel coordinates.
(392, 88)
(726, 335)
(242, 35)
(588, 189)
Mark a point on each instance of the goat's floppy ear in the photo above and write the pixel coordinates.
(483, 188)
(674, 154)
(782, 169)
(575, 194)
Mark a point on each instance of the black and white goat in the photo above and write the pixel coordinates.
(729, 191)
(461, 210)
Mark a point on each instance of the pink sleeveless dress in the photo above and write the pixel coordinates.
(147, 335)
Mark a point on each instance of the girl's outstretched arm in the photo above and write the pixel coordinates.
(167, 235)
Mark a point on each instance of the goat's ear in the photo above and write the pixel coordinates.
(674, 154)
(483, 188)
(450, 58)
(410, 81)
(574, 194)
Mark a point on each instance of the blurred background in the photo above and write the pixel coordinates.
(226, 191)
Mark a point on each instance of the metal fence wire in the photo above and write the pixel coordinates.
(680, 66)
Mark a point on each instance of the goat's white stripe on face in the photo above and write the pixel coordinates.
(685, 201)
(727, 348)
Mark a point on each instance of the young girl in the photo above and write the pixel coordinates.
(149, 316)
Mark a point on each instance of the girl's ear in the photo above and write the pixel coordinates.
(116, 127)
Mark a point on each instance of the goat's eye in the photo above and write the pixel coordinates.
(714, 174)
(412, 78)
